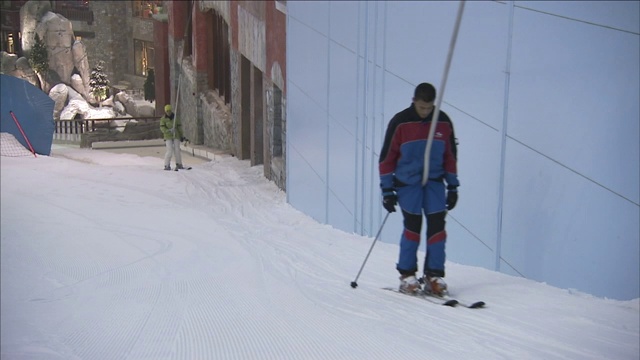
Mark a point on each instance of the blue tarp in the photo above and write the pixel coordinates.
(33, 109)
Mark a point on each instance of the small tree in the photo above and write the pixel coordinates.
(150, 86)
(98, 82)
(39, 60)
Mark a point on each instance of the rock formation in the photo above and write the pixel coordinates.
(67, 81)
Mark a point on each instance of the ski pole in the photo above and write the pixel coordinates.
(22, 132)
(354, 283)
(436, 110)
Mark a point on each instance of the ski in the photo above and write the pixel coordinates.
(473, 305)
(186, 168)
(429, 298)
(441, 300)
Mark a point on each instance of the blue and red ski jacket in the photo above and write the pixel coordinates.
(402, 155)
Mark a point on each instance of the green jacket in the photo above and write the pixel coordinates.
(166, 124)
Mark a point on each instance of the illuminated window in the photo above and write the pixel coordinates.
(10, 44)
(144, 56)
(84, 35)
(144, 9)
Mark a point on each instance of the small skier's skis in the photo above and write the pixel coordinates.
(474, 305)
(186, 168)
(440, 300)
(429, 298)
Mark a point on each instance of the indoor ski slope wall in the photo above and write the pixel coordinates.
(544, 99)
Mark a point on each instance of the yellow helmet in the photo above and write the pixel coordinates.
(167, 108)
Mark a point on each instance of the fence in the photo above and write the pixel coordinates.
(87, 131)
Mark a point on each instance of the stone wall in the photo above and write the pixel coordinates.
(112, 42)
(275, 156)
(110, 38)
(275, 146)
(206, 119)
(216, 121)
(275, 135)
(187, 106)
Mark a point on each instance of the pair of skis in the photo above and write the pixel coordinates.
(184, 168)
(440, 300)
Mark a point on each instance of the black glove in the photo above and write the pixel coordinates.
(452, 199)
(389, 200)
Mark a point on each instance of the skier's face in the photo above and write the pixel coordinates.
(423, 108)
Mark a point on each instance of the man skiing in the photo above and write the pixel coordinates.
(172, 137)
(401, 167)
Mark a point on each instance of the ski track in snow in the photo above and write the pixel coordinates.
(165, 289)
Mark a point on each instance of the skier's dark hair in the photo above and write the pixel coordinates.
(425, 92)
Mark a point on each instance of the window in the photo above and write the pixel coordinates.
(84, 35)
(187, 47)
(144, 56)
(144, 9)
(10, 43)
(219, 53)
(277, 122)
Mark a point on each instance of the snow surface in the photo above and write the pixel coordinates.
(106, 256)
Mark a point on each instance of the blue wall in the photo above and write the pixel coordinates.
(544, 97)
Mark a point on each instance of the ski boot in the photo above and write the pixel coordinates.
(409, 284)
(435, 286)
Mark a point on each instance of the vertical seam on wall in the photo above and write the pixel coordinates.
(503, 146)
(365, 96)
(355, 143)
(384, 77)
(287, 167)
(327, 171)
(373, 116)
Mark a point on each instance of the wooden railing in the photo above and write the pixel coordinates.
(79, 126)
(86, 131)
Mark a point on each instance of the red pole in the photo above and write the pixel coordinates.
(22, 132)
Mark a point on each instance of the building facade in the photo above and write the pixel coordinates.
(120, 33)
(226, 76)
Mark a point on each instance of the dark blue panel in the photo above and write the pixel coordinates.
(33, 110)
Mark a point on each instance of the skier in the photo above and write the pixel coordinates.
(401, 166)
(172, 137)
